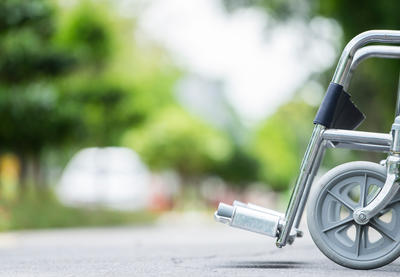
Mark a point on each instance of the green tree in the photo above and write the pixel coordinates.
(241, 169)
(173, 139)
(118, 84)
(280, 141)
(28, 102)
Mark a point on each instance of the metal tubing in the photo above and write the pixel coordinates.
(360, 146)
(397, 113)
(309, 168)
(259, 208)
(310, 180)
(388, 191)
(254, 219)
(346, 139)
(345, 61)
(377, 51)
(320, 140)
(343, 139)
(391, 186)
(346, 136)
(298, 190)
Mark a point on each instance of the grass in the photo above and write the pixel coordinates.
(45, 211)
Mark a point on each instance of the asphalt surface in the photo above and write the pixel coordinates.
(177, 245)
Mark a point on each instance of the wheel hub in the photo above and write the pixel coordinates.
(360, 217)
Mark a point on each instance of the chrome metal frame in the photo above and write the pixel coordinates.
(355, 140)
(387, 193)
(373, 36)
(397, 112)
(378, 51)
(389, 190)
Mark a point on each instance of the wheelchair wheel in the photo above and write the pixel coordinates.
(330, 217)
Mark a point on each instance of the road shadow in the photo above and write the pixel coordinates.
(265, 264)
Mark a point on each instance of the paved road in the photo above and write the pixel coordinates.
(189, 245)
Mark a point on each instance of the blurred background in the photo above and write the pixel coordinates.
(119, 111)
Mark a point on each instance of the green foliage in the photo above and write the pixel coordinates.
(280, 141)
(102, 110)
(25, 43)
(174, 139)
(88, 32)
(15, 14)
(118, 84)
(27, 57)
(32, 118)
(240, 169)
(28, 61)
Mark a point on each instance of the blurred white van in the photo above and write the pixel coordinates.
(111, 177)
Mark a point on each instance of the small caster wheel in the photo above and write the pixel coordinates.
(330, 221)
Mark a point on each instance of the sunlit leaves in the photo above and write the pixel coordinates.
(174, 139)
(280, 142)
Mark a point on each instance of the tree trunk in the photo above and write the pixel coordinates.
(30, 172)
(37, 175)
(24, 173)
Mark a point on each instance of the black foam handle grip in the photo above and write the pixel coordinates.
(327, 109)
(337, 110)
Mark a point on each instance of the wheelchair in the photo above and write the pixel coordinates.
(353, 211)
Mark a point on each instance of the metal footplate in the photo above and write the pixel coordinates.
(253, 218)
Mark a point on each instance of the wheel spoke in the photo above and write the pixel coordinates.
(364, 191)
(382, 230)
(340, 200)
(390, 205)
(365, 236)
(395, 200)
(359, 229)
(382, 212)
(338, 224)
